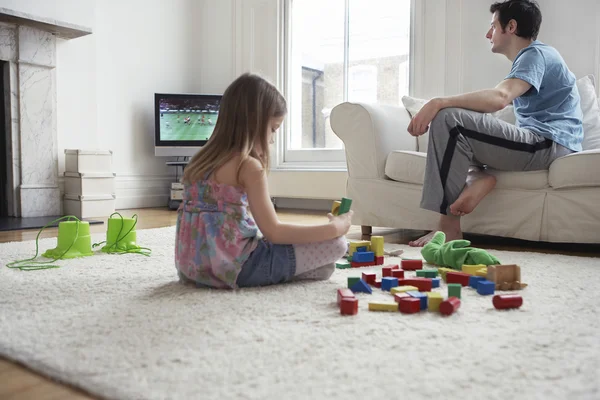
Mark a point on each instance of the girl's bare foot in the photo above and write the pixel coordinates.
(476, 189)
(450, 225)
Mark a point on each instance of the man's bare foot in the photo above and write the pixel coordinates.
(448, 224)
(477, 188)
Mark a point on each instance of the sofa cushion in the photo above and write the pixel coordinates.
(409, 167)
(575, 170)
(591, 112)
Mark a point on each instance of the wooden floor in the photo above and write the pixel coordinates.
(19, 383)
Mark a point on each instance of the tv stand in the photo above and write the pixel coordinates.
(176, 187)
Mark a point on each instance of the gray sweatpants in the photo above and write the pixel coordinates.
(460, 139)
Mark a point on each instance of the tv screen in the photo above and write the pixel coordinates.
(184, 120)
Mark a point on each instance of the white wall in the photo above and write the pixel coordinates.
(79, 12)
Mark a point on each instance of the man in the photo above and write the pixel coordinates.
(463, 134)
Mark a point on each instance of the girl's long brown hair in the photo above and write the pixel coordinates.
(247, 107)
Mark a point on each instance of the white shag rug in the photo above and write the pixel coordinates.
(122, 327)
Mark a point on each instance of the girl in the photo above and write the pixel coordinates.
(217, 243)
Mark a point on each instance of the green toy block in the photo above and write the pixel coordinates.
(345, 206)
(427, 273)
(454, 290)
(354, 279)
(342, 264)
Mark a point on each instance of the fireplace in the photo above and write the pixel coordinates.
(29, 137)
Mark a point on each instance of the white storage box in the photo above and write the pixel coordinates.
(177, 186)
(89, 206)
(89, 183)
(88, 161)
(176, 194)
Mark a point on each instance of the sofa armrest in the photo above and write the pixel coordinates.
(370, 132)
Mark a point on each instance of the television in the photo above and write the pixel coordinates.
(183, 122)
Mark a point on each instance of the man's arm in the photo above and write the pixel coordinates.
(484, 101)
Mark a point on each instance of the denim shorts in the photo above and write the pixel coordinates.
(269, 264)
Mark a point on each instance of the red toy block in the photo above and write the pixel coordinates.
(423, 284)
(398, 273)
(379, 260)
(386, 271)
(394, 266)
(344, 293)
(355, 264)
(505, 301)
(458, 277)
(398, 296)
(409, 305)
(369, 277)
(412, 265)
(447, 307)
(377, 283)
(349, 306)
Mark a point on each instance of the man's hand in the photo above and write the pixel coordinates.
(420, 122)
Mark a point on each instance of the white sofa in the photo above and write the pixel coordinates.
(386, 168)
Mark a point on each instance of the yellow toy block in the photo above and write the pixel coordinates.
(434, 299)
(471, 269)
(401, 289)
(380, 306)
(443, 271)
(377, 245)
(336, 207)
(481, 272)
(354, 245)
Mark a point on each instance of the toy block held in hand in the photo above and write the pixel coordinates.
(485, 287)
(342, 264)
(403, 289)
(449, 306)
(377, 245)
(422, 284)
(353, 246)
(349, 306)
(506, 301)
(352, 280)
(361, 287)
(369, 277)
(412, 265)
(398, 273)
(472, 269)
(506, 277)
(458, 277)
(382, 306)
(422, 298)
(335, 208)
(435, 282)
(434, 299)
(388, 283)
(454, 290)
(398, 296)
(409, 305)
(344, 206)
(344, 293)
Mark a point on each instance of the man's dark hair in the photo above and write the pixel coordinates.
(526, 13)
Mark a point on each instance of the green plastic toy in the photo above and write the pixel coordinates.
(455, 253)
(73, 241)
(121, 236)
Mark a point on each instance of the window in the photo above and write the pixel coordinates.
(337, 51)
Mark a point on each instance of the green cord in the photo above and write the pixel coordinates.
(31, 265)
(113, 247)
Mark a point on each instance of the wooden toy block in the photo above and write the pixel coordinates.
(422, 284)
(506, 301)
(427, 273)
(377, 245)
(396, 266)
(458, 277)
(434, 299)
(349, 306)
(449, 306)
(409, 305)
(386, 271)
(362, 264)
(388, 283)
(443, 271)
(377, 283)
(382, 306)
(393, 253)
(506, 277)
(379, 260)
(422, 298)
(435, 282)
(412, 265)
(369, 277)
(361, 287)
(481, 272)
(344, 293)
(473, 280)
(454, 290)
(353, 246)
(398, 296)
(398, 273)
(335, 208)
(472, 269)
(352, 280)
(363, 256)
(403, 289)
(485, 287)
(344, 206)
(362, 249)
(342, 264)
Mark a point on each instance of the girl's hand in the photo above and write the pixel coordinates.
(342, 222)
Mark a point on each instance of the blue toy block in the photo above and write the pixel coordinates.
(435, 282)
(363, 256)
(388, 282)
(422, 298)
(474, 280)
(485, 287)
(361, 287)
(362, 249)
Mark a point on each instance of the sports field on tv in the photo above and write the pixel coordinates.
(187, 126)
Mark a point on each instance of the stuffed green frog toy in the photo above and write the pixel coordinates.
(455, 253)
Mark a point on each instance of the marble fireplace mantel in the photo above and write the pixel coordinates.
(28, 49)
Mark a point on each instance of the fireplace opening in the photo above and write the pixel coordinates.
(5, 142)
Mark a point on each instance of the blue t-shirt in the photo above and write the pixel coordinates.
(551, 107)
